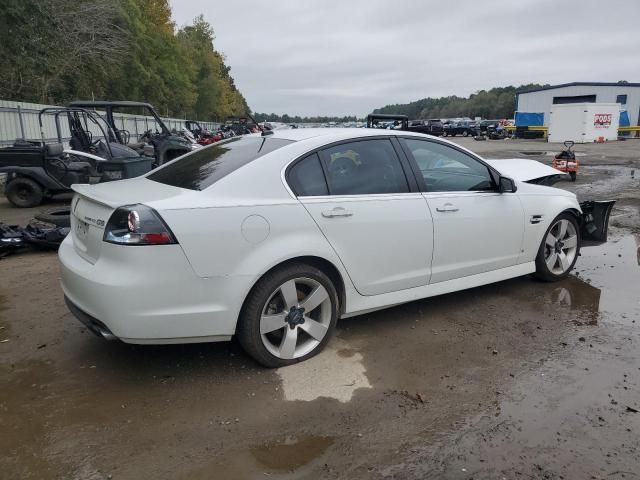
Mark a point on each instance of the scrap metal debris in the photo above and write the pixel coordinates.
(38, 235)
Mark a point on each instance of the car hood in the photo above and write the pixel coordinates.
(524, 170)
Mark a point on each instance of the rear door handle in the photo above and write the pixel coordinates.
(337, 212)
(447, 207)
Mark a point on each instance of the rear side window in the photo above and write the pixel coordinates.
(363, 168)
(306, 178)
(204, 167)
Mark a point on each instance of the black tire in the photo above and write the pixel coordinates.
(60, 217)
(465, 134)
(23, 192)
(542, 270)
(573, 176)
(248, 328)
(444, 134)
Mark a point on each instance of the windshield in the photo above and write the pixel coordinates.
(204, 167)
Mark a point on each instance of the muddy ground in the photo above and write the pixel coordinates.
(518, 379)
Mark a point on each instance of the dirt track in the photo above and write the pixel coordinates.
(518, 379)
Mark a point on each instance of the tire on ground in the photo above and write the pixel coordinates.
(248, 328)
(542, 270)
(60, 217)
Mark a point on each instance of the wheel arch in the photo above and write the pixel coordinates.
(322, 264)
(576, 213)
(40, 177)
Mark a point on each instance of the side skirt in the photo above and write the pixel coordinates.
(362, 304)
(174, 341)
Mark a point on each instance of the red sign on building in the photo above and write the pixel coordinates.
(602, 120)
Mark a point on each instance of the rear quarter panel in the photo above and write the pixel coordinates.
(247, 241)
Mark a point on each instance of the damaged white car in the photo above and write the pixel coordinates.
(274, 237)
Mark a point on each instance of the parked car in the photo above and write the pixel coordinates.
(431, 127)
(464, 128)
(273, 237)
(486, 125)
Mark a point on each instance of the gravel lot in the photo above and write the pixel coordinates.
(518, 379)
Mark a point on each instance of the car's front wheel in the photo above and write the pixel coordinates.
(559, 249)
(288, 316)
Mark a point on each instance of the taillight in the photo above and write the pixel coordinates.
(137, 225)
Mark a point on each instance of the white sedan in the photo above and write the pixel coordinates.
(274, 237)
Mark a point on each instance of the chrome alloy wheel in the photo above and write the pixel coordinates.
(296, 318)
(561, 247)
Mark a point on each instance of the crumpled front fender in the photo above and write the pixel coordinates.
(595, 221)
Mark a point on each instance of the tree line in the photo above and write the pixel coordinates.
(55, 51)
(496, 103)
(274, 117)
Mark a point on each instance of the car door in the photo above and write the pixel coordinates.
(370, 211)
(476, 228)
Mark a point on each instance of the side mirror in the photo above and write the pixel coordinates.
(506, 185)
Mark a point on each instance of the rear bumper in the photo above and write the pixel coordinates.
(148, 295)
(93, 324)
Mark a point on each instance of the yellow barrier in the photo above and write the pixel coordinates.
(541, 128)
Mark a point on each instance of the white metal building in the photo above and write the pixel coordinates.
(541, 100)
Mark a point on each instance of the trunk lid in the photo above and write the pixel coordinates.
(88, 219)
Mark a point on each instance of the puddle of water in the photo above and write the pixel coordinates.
(292, 453)
(614, 269)
(580, 297)
(337, 373)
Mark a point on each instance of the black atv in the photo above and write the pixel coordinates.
(166, 145)
(36, 169)
(388, 121)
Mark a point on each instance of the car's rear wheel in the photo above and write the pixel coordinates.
(23, 192)
(288, 316)
(559, 249)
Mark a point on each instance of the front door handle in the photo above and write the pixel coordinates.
(337, 212)
(447, 207)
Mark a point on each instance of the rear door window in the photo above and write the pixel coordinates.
(202, 168)
(363, 168)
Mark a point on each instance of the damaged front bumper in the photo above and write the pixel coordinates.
(595, 221)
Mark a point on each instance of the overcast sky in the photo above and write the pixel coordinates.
(340, 57)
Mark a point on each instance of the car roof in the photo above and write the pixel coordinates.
(331, 134)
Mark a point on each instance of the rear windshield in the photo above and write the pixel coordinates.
(206, 166)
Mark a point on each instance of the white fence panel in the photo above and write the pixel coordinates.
(20, 120)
